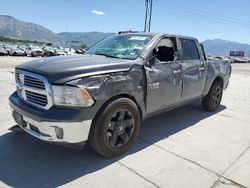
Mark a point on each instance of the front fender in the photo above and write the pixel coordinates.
(105, 87)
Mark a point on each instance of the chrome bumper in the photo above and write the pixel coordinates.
(70, 132)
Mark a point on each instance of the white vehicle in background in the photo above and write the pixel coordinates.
(8, 48)
(240, 60)
(34, 51)
(14, 50)
(70, 51)
(48, 51)
(224, 58)
(246, 59)
(3, 52)
(59, 51)
(17, 51)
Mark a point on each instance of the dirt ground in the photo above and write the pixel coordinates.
(8, 62)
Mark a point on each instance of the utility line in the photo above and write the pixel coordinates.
(203, 17)
(177, 9)
(203, 12)
(199, 13)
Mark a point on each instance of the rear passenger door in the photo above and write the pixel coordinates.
(193, 69)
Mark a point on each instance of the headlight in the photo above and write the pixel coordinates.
(72, 96)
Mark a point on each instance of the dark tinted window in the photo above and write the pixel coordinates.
(190, 51)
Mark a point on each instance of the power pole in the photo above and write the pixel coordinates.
(148, 15)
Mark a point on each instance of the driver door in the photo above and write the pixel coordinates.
(164, 78)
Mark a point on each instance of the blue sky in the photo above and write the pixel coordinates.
(225, 19)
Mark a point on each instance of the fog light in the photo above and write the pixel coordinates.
(59, 132)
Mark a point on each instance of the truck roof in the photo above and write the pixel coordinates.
(159, 34)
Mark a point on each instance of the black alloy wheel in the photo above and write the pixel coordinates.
(217, 95)
(212, 101)
(120, 128)
(115, 127)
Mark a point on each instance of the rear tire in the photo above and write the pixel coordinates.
(115, 127)
(212, 101)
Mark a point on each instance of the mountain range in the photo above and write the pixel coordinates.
(88, 38)
(14, 28)
(223, 47)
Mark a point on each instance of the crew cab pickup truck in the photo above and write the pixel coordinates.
(103, 96)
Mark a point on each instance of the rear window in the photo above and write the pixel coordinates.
(189, 48)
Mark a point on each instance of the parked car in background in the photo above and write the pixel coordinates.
(8, 48)
(240, 60)
(48, 51)
(248, 59)
(34, 51)
(23, 48)
(60, 51)
(17, 51)
(38, 51)
(232, 59)
(80, 51)
(70, 51)
(224, 58)
(3, 51)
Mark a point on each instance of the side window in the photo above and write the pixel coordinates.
(189, 48)
(165, 51)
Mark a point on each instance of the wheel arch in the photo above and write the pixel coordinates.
(210, 82)
(218, 79)
(132, 98)
(113, 98)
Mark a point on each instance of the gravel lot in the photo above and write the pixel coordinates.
(186, 147)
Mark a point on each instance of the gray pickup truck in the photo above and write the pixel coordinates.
(103, 96)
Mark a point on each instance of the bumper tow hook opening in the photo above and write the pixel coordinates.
(59, 132)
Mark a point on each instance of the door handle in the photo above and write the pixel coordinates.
(201, 68)
(176, 71)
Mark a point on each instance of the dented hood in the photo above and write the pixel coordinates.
(65, 68)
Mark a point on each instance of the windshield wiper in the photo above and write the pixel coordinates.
(107, 55)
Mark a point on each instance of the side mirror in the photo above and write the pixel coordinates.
(155, 51)
(151, 60)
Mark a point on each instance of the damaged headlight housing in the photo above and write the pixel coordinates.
(72, 96)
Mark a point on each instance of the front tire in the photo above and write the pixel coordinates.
(212, 101)
(115, 127)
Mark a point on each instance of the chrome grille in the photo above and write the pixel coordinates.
(33, 82)
(36, 98)
(17, 76)
(33, 89)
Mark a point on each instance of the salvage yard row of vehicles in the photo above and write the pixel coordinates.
(48, 51)
(36, 51)
(231, 59)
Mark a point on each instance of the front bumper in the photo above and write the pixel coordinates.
(56, 130)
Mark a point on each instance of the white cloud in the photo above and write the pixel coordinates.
(99, 13)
